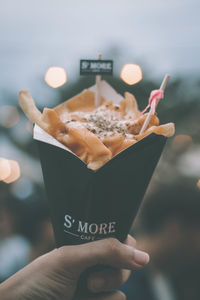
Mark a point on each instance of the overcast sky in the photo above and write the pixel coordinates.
(163, 36)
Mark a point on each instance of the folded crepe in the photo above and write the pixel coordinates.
(94, 134)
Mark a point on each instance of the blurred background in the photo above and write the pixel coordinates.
(160, 36)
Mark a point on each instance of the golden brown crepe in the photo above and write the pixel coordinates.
(94, 134)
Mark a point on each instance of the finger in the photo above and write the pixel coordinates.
(107, 280)
(117, 295)
(130, 241)
(106, 252)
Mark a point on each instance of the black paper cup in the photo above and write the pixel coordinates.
(88, 205)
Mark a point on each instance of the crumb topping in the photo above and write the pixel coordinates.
(103, 122)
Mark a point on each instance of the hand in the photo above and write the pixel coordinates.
(55, 274)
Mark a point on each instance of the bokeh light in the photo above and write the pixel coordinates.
(131, 74)
(16, 132)
(5, 168)
(198, 183)
(55, 77)
(22, 188)
(14, 171)
(181, 142)
(9, 116)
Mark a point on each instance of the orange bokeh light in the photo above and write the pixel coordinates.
(182, 142)
(131, 74)
(14, 171)
(5, 169)
(198, 183)
(55, 77)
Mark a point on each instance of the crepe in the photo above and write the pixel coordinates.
(94, 134)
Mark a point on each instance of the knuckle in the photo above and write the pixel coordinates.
(113, 246)
(60, 256)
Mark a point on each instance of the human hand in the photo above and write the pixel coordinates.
(55, 275)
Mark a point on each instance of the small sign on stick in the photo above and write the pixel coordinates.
(96, 67)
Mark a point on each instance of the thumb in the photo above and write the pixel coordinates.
(108, 252)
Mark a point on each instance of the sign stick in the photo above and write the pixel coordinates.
(98, 89)
(162, 87)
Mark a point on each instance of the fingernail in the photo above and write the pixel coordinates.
(97, 284)
(141, 257)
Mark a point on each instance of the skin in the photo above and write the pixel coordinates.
(55, 275)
